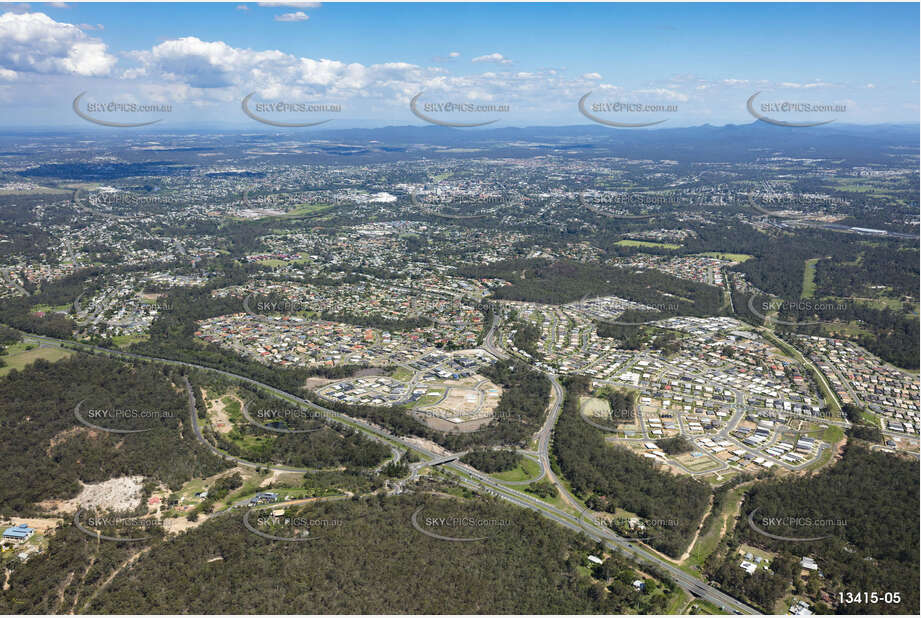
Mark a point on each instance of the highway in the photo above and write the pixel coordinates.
(467, 475)
(603, 534)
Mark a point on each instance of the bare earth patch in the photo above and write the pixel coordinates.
(118, 494)
(271, 478)
(175, 525)
(280, 476)
(467, 405)
(427, 444)
(218, 416)
(596, 407)
(315, 383)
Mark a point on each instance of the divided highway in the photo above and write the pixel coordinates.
(468, 476)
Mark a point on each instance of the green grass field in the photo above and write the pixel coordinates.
(432, 396)
(822, 460)
(50, 308)
(700, 464)
(833, 434)
(123, 341)
(37, 191)
(871, 418)
(883, 302)
(232, 407)
(709, 539)
(302, 210)
(527, 469)
(809, 278)
(644, 243)
(848, 329)
(17, 356)
(402, 374)
(732, 257)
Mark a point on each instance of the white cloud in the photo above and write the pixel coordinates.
(494, 57)
(870, 86)
(664, 93)
(242, 7)
(208, 65)
(15, 7)
(201, 64)
(815, 84)
(35, 43)
(202, 73)
(292, 17)
(591, 76)
(449, 58)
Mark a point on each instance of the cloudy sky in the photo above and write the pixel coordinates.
(363, 64)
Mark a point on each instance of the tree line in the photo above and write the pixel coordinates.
(611, 477)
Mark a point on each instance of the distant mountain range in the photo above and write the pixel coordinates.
(857, 144)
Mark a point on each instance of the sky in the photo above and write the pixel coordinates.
(510, 64)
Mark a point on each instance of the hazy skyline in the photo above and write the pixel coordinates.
(364, 63)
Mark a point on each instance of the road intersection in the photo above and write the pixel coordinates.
(467, 475)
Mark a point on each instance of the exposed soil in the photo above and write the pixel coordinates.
(118, 494)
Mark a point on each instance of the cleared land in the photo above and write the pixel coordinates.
(596, 407)
(17, 356)
(646, 243)
(809, 278)
(527, 469)
(732, 257)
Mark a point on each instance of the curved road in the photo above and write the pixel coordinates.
(469, 476)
